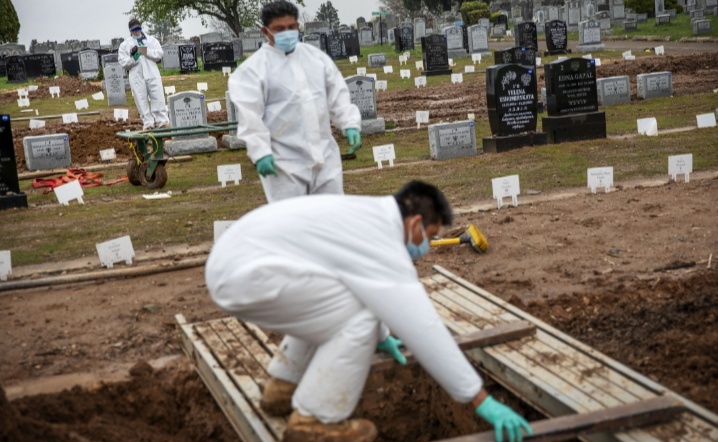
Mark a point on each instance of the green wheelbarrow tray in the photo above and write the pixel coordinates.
(147, 165)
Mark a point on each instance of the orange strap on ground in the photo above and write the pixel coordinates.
(86, 179)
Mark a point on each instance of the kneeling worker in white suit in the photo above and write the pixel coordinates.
(332, 272)
(145, 79)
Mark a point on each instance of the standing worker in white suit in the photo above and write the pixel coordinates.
(334, 274)
(145, 79)
(286, 95)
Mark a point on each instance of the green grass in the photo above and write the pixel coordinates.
(679, 27)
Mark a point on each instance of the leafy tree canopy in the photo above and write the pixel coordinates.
(9, 23)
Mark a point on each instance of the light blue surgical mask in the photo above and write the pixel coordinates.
(422, 249)
(287, 40)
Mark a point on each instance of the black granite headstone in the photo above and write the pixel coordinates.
(503, 19)
(40, 65)
(15, 66)
(435, 55)
(343, 45)
(571, 86)
(404, 38)
(188, 58)
(3, 71)
(511, 99)
(516, 55)
(525, 35)
(465, 32)
(70, 64)
(10, 195)
(556, 33)
(218, 55)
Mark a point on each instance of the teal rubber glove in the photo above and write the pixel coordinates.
(391, 346)
(265, 166)
(136, 56)
(354, 138)
(503, 418)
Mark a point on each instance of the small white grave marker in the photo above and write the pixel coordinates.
(353, 59)
(407, 54)
(69, 118)
(476, 58)
(116, 250)
(82, 104)
(226, 71)
(22, 93)
(419, 65)
(169, 90)
(469, 69)
(680, 165)
(158, 196)
(202, 87)
(373, 76)
(457, 78)
(361, 71)
(214, 106)
(509, 33)
(647, 126)
(231, 172)
(451, 62)
(402, 60)
(381, 85)
(55, 91)
(405, 73)
(660, 50)
(388, 69)
(600, 177)
(122, 114)
(471, 117)
(630, 58)
(23, 102)
(626, 54)
(68, 192)
(5, 264)
(37, 124)
(597, 62)
(32, 88)
(98, 96)
(706, 120)
(588, 57)
(384, 153)
(507, 186)
(108, 154)
(220, 227)
(420, 81)
(538, 61)
(421, 117)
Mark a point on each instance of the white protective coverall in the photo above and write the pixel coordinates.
(327, 270)
(145, 80)
(284, 104)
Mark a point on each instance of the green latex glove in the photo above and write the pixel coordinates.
(354, 138)
(136, 56)
(265, 166)
(391, 346)
(503, 418)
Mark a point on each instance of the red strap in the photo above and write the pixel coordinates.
(86, 179)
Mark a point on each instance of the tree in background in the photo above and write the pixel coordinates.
(328, 13)
(165, 31)
(471, 12)
(9, 23)
(236, 14)
(395, 6)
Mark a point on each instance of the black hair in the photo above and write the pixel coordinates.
(419, 198)
(278, 9)
(134, 23)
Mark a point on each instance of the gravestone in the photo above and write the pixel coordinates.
(218, 55)
(390, 36)
(604, 21)
(618, 9)
(435, 55)
(170, 57)
(211, 37)
(659, 7)
(574, 14)
(485, 23)
(115, 84)
(188, 109)
(664, 19)
(452, 140)
(512, 104)
(589, 36)
(642, 18)
(361, 22)
(362, 92)
(44, 152)
(317, 27)
(631, 16)
(630, 25)
(15, 67)
(516, 55)
(89, 64)
(503, 19)
(39, 65)
(3, 70)
(12, 49)
(672, 13)
(108, 58)
(383, 32)
(614, 90)
(556, 33)
(701, 27)
(70, 64)
(654, 85)
(498, 31)
(478, 40)
(404, 38)
(525, 35)
(572, 102)
(10, 194)
(419, 28)
(454, 39)
(188, 58)
(553, 13)
(365, 36)
(252, 40)
(377, 60)
(343, 45)
(314, 40)
(237, 49)
(230, 140)
(697, 14)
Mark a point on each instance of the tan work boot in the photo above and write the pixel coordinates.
(277, 397)
(309, 429)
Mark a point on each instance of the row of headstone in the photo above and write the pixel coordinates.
(617, 90)
(20, 68)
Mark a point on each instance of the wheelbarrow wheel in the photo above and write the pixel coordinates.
(133, 172)
(158, 178)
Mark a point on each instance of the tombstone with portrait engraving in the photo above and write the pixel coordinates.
(589, 36)
(435, 55)
(10, 194)
(362, 92)
(572, 102)
(188, 59)
(556, 33)
(404, 38)
(511, 98)
(516, 55)
(525, 35)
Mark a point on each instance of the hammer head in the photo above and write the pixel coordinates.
(477, 239)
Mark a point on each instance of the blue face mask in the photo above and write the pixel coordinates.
(286, 41)
(422, 249)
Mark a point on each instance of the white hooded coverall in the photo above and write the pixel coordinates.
(326, 270)
(284, 105)
(145, 80)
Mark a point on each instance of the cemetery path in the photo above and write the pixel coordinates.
(632, 273)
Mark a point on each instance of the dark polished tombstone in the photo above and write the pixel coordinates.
(503, 19)
(556, 32)
(516, 55)
(572, 102)
(188, 58)
(404, 38)
(343, 45)
(218, 55)
(3, 71)
(40, 65)
(511, 98)
(10, 195)
(525, 35)
(435, 55)
(15, 66)
(70, 64)
(465, 34)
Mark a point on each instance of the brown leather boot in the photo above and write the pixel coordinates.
(277, 397)
(309, 429)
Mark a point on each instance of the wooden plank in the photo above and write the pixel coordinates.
(234, 406)
(478, 338)
(261, 337)
(255, 348)
(563, 428)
